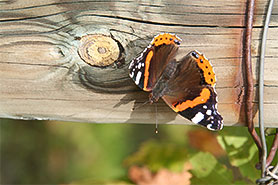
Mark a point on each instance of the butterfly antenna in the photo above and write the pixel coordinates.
(156, 125)
(136, 107)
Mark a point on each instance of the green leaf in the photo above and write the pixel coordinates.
(245, 155)
(242, 152)
(156, 155)
(232, 141)
(207, 170)
(248, 169)
(203, 164)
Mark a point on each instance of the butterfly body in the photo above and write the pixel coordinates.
(187, 85)
(161, 86)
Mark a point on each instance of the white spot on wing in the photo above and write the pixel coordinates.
(198, 117)
(140, 57)
(205, 107)
(209, 127)
(216, 98)
(221, 126)
(138, 77)
(131, 64)
(139, 66)
(209, 112)
(131, 74)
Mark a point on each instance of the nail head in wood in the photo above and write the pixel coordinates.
(98, 50)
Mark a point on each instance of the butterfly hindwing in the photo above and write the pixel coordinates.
(201, 109)
(191, 92)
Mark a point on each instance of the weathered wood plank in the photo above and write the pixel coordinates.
(42, 75)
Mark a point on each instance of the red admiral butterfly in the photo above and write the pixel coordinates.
(187, 85)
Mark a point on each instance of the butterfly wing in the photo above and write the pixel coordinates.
(191, 91)
(146, 69)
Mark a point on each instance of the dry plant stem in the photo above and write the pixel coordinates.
(249, 78)
(273, 150)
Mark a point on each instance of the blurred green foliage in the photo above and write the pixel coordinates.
(156, 155)
(51, 152)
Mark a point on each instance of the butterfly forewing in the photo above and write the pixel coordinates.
(146, 69)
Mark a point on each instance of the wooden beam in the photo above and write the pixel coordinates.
(43, 77)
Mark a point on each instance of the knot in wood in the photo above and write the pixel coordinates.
(98, 50)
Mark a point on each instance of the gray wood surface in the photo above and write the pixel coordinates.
(43, 77)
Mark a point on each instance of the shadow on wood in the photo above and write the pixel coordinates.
(43, 77)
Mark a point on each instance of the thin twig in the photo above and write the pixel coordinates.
(249, 76)
(273, 150)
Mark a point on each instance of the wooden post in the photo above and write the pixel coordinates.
(43, 73)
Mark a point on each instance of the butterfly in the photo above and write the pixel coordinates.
(186, 85)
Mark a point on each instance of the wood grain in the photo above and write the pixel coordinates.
(43, 77)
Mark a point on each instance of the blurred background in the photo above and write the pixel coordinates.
(53, 152)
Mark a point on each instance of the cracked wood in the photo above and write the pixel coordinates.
(42, 76)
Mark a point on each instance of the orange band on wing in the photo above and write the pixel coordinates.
(205, 65)
(203, 98)
(147, 66)
(165, 38)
